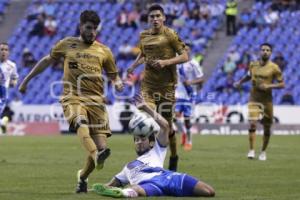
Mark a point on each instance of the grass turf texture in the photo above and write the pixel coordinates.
(42, 168)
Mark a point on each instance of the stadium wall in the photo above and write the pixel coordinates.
(208, 119)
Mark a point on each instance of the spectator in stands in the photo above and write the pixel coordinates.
(245, 18)
(28, 59)
(170, 12)
(216, 10)
(271, 18)
(126, 51)
(179, 8)
(205, 11)
(234, 55)
(245, 60)
(229, 83)
(283, 5)
(125, 117)
(50, 26)
(180, 21)
(197, 37)
(231, 13)
(143, 20)
(287, 98)
(260, 20)
(133, 18)
(122, 20)
(195, 12)
(229, 66)
(280, 60)
(38, 28)
(38, 9)
(49, 8)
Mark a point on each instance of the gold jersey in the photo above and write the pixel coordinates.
(83, 66)
(163, 45)
(266, 74)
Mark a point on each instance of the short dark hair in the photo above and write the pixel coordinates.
(156, 7)
(267, 44)
(90, 16)
(4, 43)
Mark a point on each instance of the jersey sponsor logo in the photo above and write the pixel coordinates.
(76, 65)
(85, 56)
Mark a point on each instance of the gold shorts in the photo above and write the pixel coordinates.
(161, 99)
(95, 114)
(261, 111)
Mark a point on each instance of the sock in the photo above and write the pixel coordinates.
(252, 137)
(173, 145)
(86, 140)
(180, 125)
(189, 136)
(183, 138)
(88, 168)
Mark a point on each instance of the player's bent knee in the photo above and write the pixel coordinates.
(79, 122)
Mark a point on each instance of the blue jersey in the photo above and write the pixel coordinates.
(147, 171)
(8, 73)
(188, 71)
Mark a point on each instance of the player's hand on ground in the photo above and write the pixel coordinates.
(23, 88)
(139, 101)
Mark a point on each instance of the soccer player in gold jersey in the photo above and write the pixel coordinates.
(265, 76)
(161, 50)
(82, 99)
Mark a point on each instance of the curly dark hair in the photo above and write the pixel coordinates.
(89, 16)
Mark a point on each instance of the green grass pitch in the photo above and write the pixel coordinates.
(44, 168)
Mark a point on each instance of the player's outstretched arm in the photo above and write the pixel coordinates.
(239, 83)
(163, 135)
(197, 81)
(140, 59)
(182, 58)
(38, 68)
(116, 81)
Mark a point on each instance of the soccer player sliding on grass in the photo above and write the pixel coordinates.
(145, 175)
